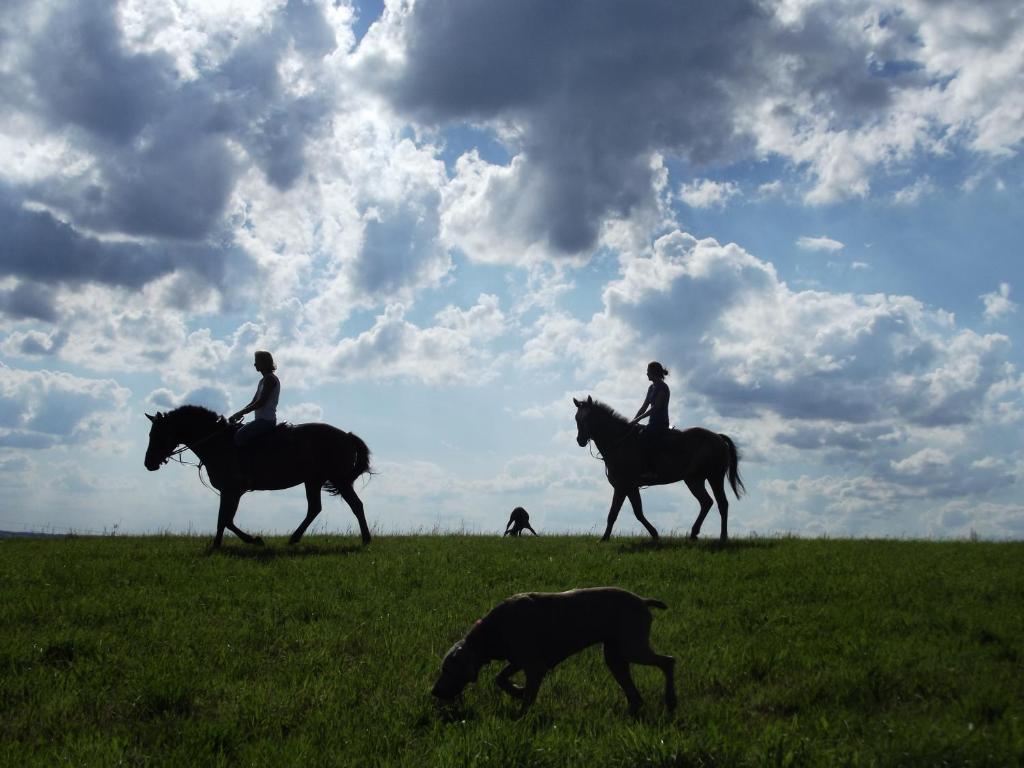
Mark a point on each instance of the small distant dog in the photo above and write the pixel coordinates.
(536, 631)
(519, 520)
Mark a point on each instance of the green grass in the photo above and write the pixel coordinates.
(153, 651)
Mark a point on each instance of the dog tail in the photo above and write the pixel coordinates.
(655, 603)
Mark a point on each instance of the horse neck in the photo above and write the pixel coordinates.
(202, 438)
(606, 430)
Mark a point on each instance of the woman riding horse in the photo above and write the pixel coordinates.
(696, 456)
(655, 406)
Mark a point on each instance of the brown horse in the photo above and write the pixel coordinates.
(317, 455)
(694, 456)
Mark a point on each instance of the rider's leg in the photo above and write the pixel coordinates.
(244, 470)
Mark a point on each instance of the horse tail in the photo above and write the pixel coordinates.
(361, 464)
(734, 469)
(655, 603)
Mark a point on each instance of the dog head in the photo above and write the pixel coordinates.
(460, 667)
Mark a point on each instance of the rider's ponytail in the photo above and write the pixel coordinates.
(657, 369)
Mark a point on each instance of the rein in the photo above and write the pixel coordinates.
(187, 447)
(175, 455)
(629, 430)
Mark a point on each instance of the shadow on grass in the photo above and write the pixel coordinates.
(265, 553)
(711, 546)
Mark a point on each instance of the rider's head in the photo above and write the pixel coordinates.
(656, 370)
(264, 362)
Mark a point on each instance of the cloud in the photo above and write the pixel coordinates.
(997, 303)
(837, 90)
(969, 519)
(706, 193)
(44, 251)
(41, 409)
(749, 342)
(881, 386)
(866, 505)
(452, 351)
(819, 244)
(153, 152)
(215, 398)
(34, 343)
(927, 459)
(911, 194)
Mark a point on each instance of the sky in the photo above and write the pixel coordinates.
(447, 218)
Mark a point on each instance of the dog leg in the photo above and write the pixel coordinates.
(534, 677)
(504, 682)
(667, 665)
(620, 671)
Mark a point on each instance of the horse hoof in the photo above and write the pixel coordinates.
(258, 541)
(366, 539)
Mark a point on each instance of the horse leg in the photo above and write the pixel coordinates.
(348, 493)
(313, 507)
(228, 508)
(617, 498)
(718, 488)
(697, 489)
(638, 511)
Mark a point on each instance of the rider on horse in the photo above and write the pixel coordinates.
(655, 406)
(264, 409)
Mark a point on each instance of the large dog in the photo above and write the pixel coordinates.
(518, 522)
(535, 631)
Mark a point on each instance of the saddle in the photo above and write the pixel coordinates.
(276, 439)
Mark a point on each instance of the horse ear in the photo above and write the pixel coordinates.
(590, 399)
(576, 402)
(150, 417)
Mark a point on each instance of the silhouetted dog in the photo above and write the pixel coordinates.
(535, 631)
(519, 520)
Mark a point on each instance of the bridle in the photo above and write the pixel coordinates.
(173, 455)
(590, 441)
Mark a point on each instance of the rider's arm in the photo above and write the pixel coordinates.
(643, 409)
(256, 402)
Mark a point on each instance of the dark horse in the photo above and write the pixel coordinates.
(692, 455)
(318, 455)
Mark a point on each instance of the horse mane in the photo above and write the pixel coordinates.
(608, 411)
(192, 413)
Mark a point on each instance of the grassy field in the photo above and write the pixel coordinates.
(153, 651)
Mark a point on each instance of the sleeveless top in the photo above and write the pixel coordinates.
(659, 415)
(268, 411)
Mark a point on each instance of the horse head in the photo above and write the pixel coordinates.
(161, 442)
(583, 409)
